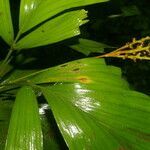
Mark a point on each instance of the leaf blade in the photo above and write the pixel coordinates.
(55, 30)
(33, 12)
(24, 129)
(6, 27)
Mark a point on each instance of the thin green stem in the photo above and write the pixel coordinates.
(8, 56)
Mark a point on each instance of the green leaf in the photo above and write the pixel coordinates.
(75, 71)
(130, 11)
(99, 112)
(33, 12)
(94, 107)
(5, 113)
(25, 127)
(95, 115)
(18, 74)
(57, 29)
(6, 28)
(86, 46)
(6, 69)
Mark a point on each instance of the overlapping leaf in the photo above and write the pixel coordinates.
(24, 129)
(6, 28)
(57, 29)
(33, 12)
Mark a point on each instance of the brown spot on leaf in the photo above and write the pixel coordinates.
(84, 79)
(121, 148)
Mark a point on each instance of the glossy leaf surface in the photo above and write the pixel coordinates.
(24, 128)
(86, 46)
(6, 28)
(33, 12)
(97, 116)
(97, 112)
(75, 71)
(57, 29)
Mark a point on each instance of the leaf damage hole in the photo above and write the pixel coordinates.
(64, 65)
(76, 69)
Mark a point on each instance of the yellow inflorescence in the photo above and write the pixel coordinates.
(137, 49)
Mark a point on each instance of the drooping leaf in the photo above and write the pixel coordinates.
(6, 28)
(33, 12)
(86, 46)
(57, 29)
(25, 127)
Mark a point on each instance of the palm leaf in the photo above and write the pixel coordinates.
(57, 29)
(6, 28)
(33, 12)
(24, 129)
(5, 114)
(93, 106)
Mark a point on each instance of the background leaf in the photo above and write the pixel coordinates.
(86, 46)
(6, 28)
(24, 129)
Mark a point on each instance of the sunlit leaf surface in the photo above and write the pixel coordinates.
(25, 126)
(57, 29)
(33, 12)
(6, 28)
